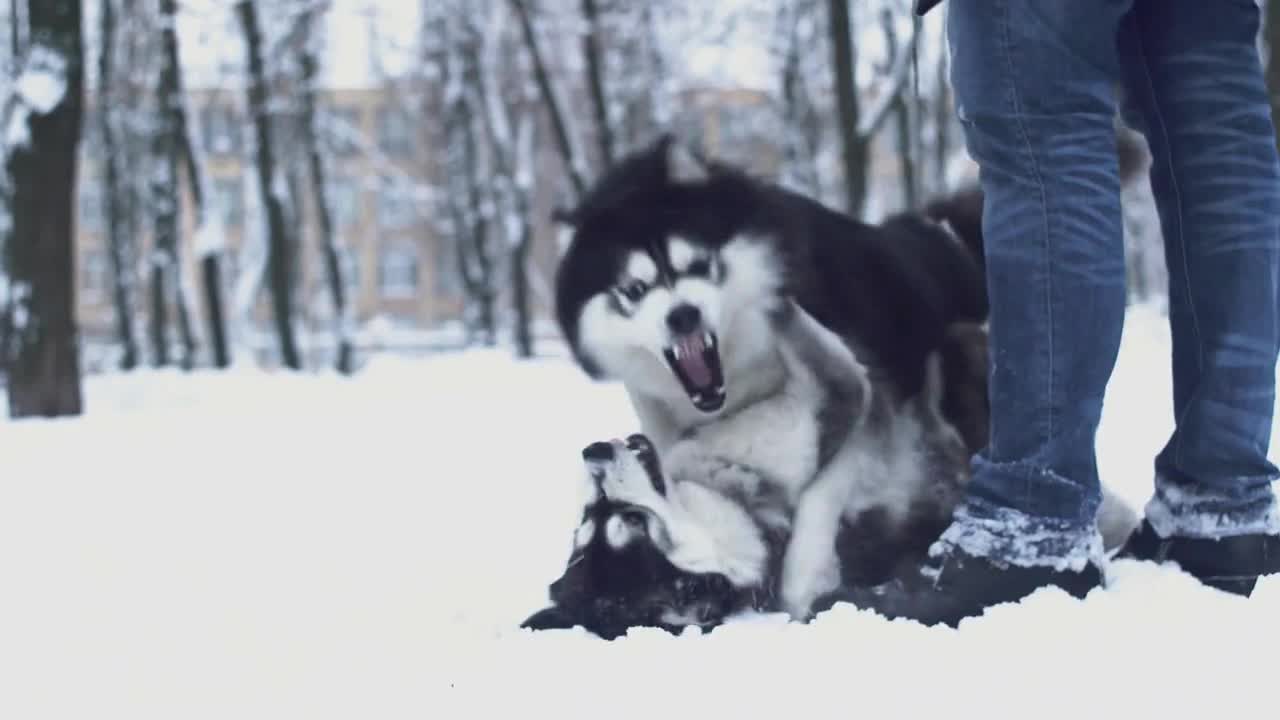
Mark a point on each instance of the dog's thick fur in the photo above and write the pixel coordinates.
(691, 536)
(825, 376)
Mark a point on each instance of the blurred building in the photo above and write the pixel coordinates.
(398, 267)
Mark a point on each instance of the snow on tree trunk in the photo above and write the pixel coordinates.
(853, 151)
(512, 152)
(40, 143)
(278, 244)
(905, 111)
(210, 241)
(521, 191)
(167, 147)
(550, 98)
(343, 319)
(595, 80)
(122, 270)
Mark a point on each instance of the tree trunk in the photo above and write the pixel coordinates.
(121, 260)
(44, 368)
(904, 112)
(210, 257)
(278, 243)
(319, 189)
(560, 129)
(595, 80)
(166, 200)
(520, 288)
(853, 151)
(906, 152)
(942, 125)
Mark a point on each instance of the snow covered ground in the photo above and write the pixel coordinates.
(259, 545)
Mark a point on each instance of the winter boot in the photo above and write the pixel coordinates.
(954, 585)
(1231, 564)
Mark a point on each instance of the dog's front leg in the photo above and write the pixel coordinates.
(810, 567)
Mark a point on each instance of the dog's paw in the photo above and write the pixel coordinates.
(804, 580)
(798, 606)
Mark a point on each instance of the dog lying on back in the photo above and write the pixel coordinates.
(692, 536)
(825, 375)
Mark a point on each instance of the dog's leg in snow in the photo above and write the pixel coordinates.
(810, 566)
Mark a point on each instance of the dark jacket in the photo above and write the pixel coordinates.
(924, 6)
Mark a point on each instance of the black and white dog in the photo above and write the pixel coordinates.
(691, 536)
(828, 373)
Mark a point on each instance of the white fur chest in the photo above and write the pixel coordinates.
(777, 437)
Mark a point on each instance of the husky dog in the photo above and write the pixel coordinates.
(773, 348)
(679, 280)
(691, 537)
(676, 265)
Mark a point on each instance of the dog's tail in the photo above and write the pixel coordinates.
(962, 209)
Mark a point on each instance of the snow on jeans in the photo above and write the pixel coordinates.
(1035, 82)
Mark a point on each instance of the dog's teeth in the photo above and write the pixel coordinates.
(709, 340)
(676, 350)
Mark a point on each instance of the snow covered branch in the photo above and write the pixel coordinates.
(893, 84)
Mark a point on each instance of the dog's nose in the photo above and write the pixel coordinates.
(684, 319)
(598, 452)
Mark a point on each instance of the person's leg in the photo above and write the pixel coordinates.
(1035, 86)
(1194, 85)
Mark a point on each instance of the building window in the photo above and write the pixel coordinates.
(228, 199)
(398, 272)
(395, 209)
(350, 259)
(222, 130)
(345, 131)
(94, 272)
(448, 283)
(393, 132)
(92, 208)
(344, 201)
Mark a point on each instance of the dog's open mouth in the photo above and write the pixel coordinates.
(695, 360)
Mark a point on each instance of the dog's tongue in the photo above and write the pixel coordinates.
(692, 362)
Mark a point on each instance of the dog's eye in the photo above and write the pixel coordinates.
(700, 267)
(634, 290)
(634, 518)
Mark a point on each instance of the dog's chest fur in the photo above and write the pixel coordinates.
(776, 433)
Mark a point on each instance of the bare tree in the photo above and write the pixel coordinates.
(310, 68)
(40, 161)
(856, 127)
(118, 241)
(595, 80)
(210, 242)
(167, 147)
(801, 144)
(278, 238)
(512, 150)
(550, 98)
(905, 112)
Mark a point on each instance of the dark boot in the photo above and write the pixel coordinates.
(1231, 564)
(957, 585)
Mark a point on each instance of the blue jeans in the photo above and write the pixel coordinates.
(1036, 83)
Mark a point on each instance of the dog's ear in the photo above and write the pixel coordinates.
(565, 216)
(683, 164)
(551, 618)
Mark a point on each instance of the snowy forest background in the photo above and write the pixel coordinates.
(302, 184)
